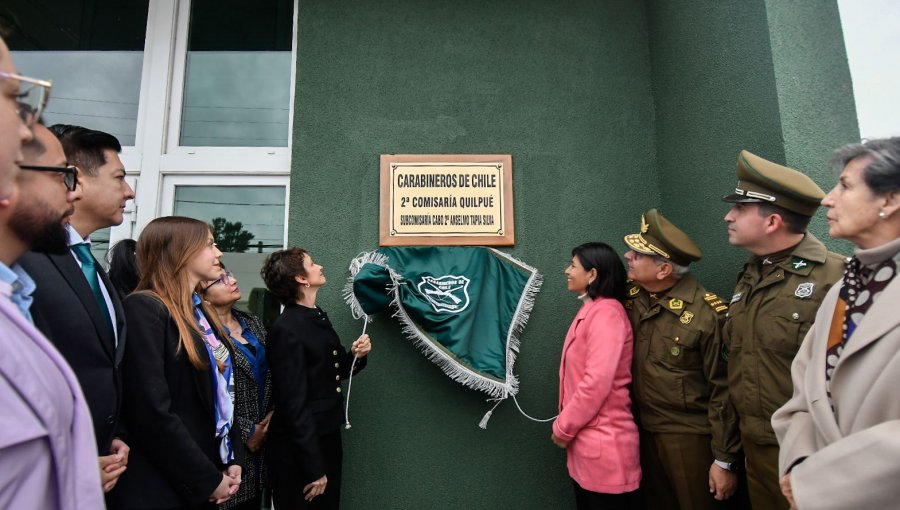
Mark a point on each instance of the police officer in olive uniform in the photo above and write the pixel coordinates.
(773, 305)
(690, 444)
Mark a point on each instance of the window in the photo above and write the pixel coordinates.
(247, 213)
(237, 80)
(96, 70)
(200, 92)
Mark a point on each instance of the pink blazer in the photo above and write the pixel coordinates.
(594, 402)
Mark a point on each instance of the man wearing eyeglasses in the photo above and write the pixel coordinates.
(47, 458)
(75, 304)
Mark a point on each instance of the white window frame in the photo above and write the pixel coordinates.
(171, 181)
(157, 158)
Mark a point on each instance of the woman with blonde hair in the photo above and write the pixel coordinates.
(179, 389)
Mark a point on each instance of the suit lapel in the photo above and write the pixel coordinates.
(818, 394)
(119, 341)
(71, 272)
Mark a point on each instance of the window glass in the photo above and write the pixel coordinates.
(237, 74)
(92, 50)
(100, 244)
(248, 224)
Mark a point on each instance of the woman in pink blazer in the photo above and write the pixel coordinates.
(595, 424)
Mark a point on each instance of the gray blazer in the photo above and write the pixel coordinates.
(851, 454)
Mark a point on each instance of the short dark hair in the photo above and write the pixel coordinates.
(882, 174)
(84, 147)
(611, 275)
(796, 223)
(279, 270)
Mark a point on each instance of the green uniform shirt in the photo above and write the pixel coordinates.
(765, 326)
(679, 377)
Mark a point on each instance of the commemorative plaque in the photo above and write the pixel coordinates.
(446, 199)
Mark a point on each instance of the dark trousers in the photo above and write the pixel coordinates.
(287, 490)
(762, 476)
(588, 500)
(675, 473)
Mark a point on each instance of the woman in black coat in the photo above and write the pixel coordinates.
(307, 363)
(178, 399)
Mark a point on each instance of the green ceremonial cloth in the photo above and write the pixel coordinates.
(463, 306)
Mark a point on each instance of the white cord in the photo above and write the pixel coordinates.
(350, 379)
(487, 416)
(529, 417)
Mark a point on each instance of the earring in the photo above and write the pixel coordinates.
(306, 285)
(882, 215)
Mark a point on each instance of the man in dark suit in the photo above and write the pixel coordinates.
(75, 305)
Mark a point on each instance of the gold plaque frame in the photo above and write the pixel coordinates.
(446, 200)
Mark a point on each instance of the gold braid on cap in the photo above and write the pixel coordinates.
(655, 249)
(644, 229)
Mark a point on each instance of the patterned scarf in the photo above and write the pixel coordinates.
(862, 287)
(223, 383)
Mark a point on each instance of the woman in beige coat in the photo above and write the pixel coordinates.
(840, 432)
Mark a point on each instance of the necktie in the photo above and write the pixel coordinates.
(89, 268)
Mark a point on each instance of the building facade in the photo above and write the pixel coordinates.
(274, 113)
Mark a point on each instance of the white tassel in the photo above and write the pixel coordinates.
(487, 416)
(484, 420)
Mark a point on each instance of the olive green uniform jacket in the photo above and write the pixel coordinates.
(765, 326)
(680, 383)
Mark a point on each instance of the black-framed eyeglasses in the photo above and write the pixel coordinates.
(32, 98)
(70, 173)
(228, 275)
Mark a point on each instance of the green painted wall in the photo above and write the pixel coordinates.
(815, 94)
(562, 86)
(767, 76)
(607, 107)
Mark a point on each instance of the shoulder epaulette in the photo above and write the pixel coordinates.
(715, 302)
(632, 291)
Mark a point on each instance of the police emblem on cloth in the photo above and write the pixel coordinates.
(447, 294)
(805, 290)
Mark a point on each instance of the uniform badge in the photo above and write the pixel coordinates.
(676, 304)
(629, 304)
(633, 291)
(735, 298)
(805, 290)
(644, 226)
(675, 350)
(686, 317)
(798, 263)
